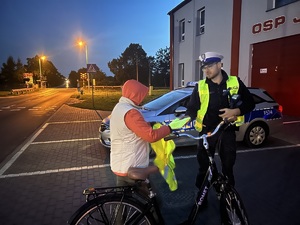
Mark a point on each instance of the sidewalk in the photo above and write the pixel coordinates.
(43, 182)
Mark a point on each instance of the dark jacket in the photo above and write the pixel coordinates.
(218, 101)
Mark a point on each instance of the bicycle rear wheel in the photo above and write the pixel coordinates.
(109, 211)
(233, 211)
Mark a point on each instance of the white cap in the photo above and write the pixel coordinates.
(210, 57)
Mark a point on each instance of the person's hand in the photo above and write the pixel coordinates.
(179, 123)
(229, 115)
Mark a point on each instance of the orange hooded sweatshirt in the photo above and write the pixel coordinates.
(130, 133)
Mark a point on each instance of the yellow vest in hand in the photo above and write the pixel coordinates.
(164, 159)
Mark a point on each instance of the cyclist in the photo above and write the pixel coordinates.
(131, 134)
(209, 105)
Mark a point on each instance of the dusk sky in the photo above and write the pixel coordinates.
(52, 28)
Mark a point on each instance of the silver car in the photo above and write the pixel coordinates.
(265, 119)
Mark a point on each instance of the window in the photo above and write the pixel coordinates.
(181, 75)
(182, 30)
(198, 71)
(273, 4)
(200, 21)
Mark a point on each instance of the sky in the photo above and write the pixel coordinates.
(53, 28)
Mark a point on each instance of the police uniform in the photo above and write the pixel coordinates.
(217, 101)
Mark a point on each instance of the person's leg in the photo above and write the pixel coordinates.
(228, 155)
(202, 163)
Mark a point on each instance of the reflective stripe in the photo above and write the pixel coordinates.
(203, 90)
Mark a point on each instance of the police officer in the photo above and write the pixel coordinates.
(209, 104)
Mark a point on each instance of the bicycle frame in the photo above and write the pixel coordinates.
(142, 199)
(212, 177)
(211, 174)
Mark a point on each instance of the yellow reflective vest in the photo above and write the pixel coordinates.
(203, 90)
(164, 159)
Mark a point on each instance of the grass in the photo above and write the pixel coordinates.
(4, 93)
(106, 99)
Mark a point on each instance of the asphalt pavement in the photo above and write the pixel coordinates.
(42, 181)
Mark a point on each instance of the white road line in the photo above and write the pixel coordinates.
(54, 171)
(77, 121)
(60, 141)
(14, 158)
(30, 142)
(107, 165)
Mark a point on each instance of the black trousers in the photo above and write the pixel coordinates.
(227, 155)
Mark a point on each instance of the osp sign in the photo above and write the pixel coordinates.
(271, 24)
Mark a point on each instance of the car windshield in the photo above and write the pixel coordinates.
(164, 100)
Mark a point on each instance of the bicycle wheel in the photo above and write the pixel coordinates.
(233, 211)
(109, 211)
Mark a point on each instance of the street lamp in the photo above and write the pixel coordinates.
(82, 43)
(40, 65)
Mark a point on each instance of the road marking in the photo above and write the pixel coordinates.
(14, 158)
(54, 171)
(31, 142)
(60, 141)
(76, 121)
(108, 165)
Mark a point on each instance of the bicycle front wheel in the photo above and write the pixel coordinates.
(233, 211)
(110, 211)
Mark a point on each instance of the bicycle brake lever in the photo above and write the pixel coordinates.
(172, 136)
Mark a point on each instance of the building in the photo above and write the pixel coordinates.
(260, 41)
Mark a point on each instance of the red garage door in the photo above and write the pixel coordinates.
(276, 68)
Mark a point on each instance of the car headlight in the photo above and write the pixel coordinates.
(103, 127)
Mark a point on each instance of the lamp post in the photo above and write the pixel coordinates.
(82, 43)
(40, 66)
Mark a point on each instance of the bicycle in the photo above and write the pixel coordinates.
(137, 204)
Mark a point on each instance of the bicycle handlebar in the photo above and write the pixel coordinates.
(203, 136)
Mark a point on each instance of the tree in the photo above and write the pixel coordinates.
(132, 64)
(81, 76)
(12, 74)
(74, 77)
(49, 71)
(161, 70)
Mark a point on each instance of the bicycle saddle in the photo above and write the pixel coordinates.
(141, 173)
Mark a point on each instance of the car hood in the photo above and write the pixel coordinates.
(146, 114)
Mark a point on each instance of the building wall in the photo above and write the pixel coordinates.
(218, 32)
(254, 15)
(217, 35)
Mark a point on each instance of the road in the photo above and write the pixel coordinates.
(21, 115)
(43, 184)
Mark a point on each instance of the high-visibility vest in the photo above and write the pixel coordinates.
(203, 89)
(164, 159)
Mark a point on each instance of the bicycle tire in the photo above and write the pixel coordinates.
(233, 211)
(104, 210)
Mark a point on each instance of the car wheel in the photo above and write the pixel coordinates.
(256, 134)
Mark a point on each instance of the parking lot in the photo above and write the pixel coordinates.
(43, 181)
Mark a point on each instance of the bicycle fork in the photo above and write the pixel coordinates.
(202, 194)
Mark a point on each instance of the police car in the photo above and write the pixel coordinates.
(264, 120)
